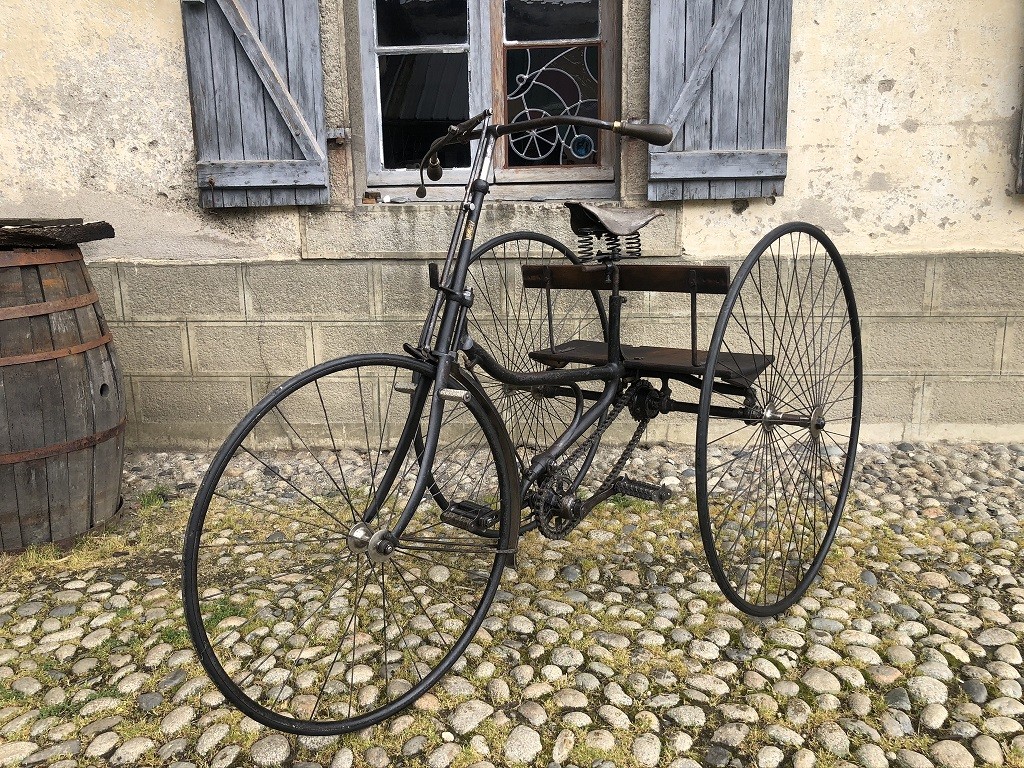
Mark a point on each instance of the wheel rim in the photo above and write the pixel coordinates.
(510, 321)
(300, 618)
(771, 489)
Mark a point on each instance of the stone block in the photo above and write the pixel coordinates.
(188, 413)
(104, 280)
(307, 290)
(889, 399)
(147, 347)
(978, 400)
(1013, 346)
(193, 292)
(331, 340)
(980, 284)
(257, 348)
(888, 286)
(931, 345)
(406, 291)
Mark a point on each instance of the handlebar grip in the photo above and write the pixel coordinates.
(434, 169)
(653, 133)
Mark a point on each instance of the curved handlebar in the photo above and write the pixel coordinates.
(652, 133)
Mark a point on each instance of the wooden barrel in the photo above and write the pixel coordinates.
(62, 404)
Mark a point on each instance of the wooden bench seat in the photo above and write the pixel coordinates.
(655, 361)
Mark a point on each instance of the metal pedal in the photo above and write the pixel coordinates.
(454, 395)
(641, 490)
(405, 389)
(470, 516)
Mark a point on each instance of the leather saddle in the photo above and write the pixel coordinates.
(585, 218)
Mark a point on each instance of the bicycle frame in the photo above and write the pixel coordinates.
(444, 334)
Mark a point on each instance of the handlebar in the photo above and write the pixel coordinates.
(652, 133)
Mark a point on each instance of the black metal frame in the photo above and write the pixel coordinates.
(444, 331)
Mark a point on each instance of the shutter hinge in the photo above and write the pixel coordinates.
(339, 136)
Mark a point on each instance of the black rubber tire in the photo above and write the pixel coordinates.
(222, 583)
(795, 478)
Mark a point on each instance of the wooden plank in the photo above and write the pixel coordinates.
(665, 278)
(229, 113)
(750, 128)
(44, 236)
(198, 58)
(107, 409)
(262, 173)
(252, 100)
(371, 90)
(25, 418)
(10, 523)
(287, 95)
(306, 85)
(697, 120)
(725, 95)
(776, 98)
(668, 71)
(47, 378)
(76, 468)
(700, 62)
(280, 144)
(719, 165)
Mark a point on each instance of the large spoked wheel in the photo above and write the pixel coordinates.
(511, 321)
(305, 613)
(771, 487)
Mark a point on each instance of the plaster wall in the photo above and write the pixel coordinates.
(902, 130)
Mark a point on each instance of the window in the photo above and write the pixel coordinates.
(427, 64)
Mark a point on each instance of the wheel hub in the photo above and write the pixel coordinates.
(817, 421)
(376, 545)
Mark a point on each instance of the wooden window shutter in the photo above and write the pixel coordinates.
(256, 79)
(720, 78)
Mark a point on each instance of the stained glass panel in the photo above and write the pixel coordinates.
(551, 19)
(545, 81)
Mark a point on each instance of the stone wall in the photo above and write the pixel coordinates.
(201, 343)
(902, 130)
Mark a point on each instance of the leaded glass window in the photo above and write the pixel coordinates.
(430, 63)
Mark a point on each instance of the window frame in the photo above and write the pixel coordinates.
(486, 54)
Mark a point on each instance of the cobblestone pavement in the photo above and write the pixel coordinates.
(614, 648)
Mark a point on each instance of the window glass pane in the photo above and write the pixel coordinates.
(421, 22)
(551, 19)
(553, 81)
(422, 94)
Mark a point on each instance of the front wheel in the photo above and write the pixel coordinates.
(301, 619)
(771, 486)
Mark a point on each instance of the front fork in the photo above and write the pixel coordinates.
(383, 542)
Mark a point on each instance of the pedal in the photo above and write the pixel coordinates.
(470, 516)
(454, 395)
(405, 389)
(641, 490)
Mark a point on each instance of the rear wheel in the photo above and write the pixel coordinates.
(771, 487)
(511, 321)
(307, 614)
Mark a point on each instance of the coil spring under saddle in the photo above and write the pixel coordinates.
(601, 245)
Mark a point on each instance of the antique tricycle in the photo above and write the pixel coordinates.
(351, 534)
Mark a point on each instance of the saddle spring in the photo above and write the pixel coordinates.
(600, 245)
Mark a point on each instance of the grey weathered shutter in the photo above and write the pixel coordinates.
(720, 77)
(256, 79)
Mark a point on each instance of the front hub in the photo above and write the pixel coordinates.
(376, 545)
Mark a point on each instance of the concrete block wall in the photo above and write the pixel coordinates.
(199, 344)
